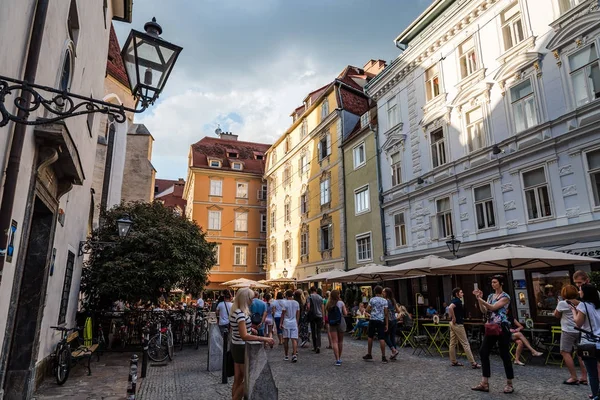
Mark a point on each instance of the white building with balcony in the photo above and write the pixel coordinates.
(488, 125)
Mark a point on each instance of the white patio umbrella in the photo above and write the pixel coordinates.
(367, 273)
(281, 281)
(322, 276)
(420, 266)
(236, 281)
(508, 257)
(251, 284)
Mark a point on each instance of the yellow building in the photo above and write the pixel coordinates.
(305, 174)
(226, 196)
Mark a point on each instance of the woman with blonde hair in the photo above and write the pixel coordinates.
(569, 336)
(303, 323)
(336, 311)
(240, 323)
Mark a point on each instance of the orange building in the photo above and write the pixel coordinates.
(226, 196)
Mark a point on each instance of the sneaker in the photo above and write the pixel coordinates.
(368, 357)
(294, 358)
(303, 343)
(384, 360)
(318, 350)
(338, 363)
(286, 358)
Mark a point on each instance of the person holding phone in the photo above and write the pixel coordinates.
(587, 317)
(569, 335)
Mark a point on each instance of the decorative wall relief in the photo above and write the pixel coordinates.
(512, 224)
(507, 187)
(565, 170)
(510, 205)
(462, 200)
(464, 216)
(465, 234)
(572, 212)
(570, 190)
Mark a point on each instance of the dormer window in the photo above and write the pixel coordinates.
(215, 163)
(237, 165)
(364, 120)
(259, 155)
(232, 153)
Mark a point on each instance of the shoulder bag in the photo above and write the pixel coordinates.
(492, 329)
(588, 351)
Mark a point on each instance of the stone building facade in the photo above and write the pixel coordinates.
(139, 173)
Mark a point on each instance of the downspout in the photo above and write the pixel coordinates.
(16, 149)
(380, 187)
(341, 102)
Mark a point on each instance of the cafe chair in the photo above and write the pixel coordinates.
(421, 343)
(553, 347)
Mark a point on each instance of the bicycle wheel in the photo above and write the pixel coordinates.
(196, 338)
(63, 365)
(157, 348)
(170, 347)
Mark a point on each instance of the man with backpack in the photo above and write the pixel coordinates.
(258, 314)
(378, 323)
(315, 317)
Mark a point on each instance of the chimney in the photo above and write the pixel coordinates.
(181, 181)
(374, 66)
(227, 136)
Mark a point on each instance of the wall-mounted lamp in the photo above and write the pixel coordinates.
(420, 181)
(497, 150)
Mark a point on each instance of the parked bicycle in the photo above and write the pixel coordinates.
(160, 346)
(65, 354)
(200, 329)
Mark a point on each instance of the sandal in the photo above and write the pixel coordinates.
(457, 364)
(575, 382)
(583, 382)
(509, 389)
(475, 366)
(393, 356)
(482, 387)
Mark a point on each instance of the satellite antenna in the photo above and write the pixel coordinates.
(218, 131)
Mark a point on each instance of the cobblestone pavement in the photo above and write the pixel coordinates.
(107, 382)
(315, 377)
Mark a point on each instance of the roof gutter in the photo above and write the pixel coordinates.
(343, 199)
(421, 22)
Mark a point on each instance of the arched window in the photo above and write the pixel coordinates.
(67, 72)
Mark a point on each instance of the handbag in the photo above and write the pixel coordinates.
(492, 329)
(588, 351)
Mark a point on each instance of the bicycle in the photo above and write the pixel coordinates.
(160, 346)
(200, 328)
(63, 356)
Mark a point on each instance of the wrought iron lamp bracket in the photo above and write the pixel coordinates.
(62, 104)
(88, 246)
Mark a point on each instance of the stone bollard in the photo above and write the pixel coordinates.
(215, 347)
(132, 380)
(258, 379)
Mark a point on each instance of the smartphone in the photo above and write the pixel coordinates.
(476, 286)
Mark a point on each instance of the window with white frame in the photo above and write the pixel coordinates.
(444, 217)
(326, 237)
(537, 194)
(324, 109)
(216, 187)
(303, 163)
(593, 164)
(363, 248)
(484, 207)
(365, 119)
(467, 57)
(237, 166)
(273, 158)
(215, 163)
(585, 74)
(566, 5)
(287, 249)
(324, 147)
(400, 230)
(273, 252)
(432, 83)
(241, 221)
(361, 200)
(242, 190)
(512, 26)
(304, 128)
(288, 144)
(287, 175)
(240, 255)
(522, 100)
(217, 254)
(475, 134)
(287, 210)
(262, 193)
(438, 148)
(214, 220)
(325, 198)
(392, 112)
(304, 203)
(273, 218)
(359, 155)
(263, 222)
(304, 243)
(261, 255)
(396, 162)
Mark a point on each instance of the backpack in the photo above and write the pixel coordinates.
(311, 315)
(334, 315)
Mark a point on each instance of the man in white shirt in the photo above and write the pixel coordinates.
(289, 323)
(200, 302)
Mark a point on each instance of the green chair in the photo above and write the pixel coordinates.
(553, 348)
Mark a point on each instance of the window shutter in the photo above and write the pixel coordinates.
(328, 144)
(434, 227)
(320, 238)
(330, 233)
(319, 151)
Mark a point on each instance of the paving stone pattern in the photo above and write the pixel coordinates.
(314, 376)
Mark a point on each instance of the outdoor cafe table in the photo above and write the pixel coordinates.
(439, 335)
(535, 334)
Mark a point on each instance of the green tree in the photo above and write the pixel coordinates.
(163, 251)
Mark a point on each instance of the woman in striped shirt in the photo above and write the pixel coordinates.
(240, 323)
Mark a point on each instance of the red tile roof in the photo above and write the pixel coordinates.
(163, 184)
(210, 147)
(174, 197)
(114, 63)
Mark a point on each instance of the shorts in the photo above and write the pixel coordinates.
(339, 329)
(238, 351)
(277, 324)
(290, 333)
(568, 341)
(376, 327)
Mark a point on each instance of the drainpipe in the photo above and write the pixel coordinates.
(16, 148)
(343, 182)
(379, 187)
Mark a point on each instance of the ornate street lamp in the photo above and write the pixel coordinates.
(453, 245)
(148, 61)
(285, 273)
(123, 226)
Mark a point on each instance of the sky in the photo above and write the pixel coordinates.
(247, 64)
